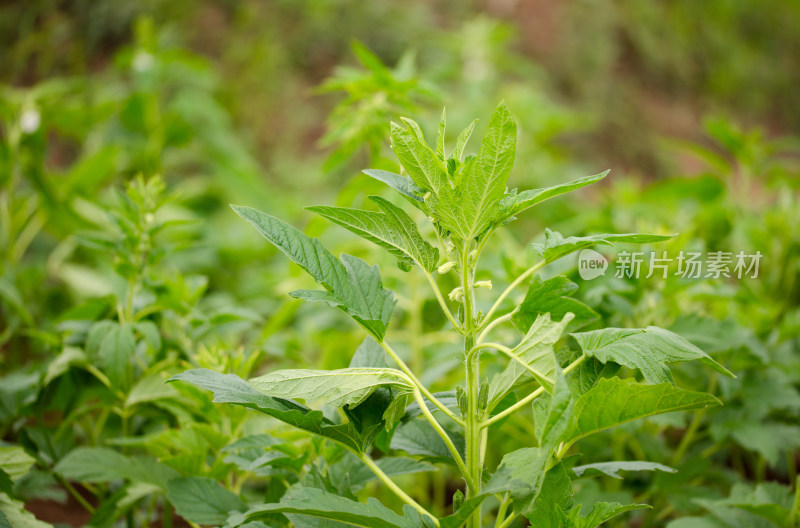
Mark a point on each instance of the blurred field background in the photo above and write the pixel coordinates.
(280, 104)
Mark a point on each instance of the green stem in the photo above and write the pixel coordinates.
(446, 438)
(697, 420)
(415, 381)
(72, 491)
(394, 487)
(501, 512)
(530, 271)
(473, 418)
(795, 520)
(438, 293)
(529, 398)
(500, 320)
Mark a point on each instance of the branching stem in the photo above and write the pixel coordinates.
(416, 382)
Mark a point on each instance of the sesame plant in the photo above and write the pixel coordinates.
(377, 412)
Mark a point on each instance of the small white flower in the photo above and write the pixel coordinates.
(484, 284)
(30, 120)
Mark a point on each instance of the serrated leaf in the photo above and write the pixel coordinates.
(350, 386)
(555, 496)
(202, 500)
(351, 283)
(534, 349)
(391, 229)
(401, 184)
(467, 208)
(600, 513)
(422, 164)
(228, 388)
(325, 505)
(556, 246)
(614, 401)
(552, 296)
(513, 204)
(612, 469)
(526, 469)
(648, 350)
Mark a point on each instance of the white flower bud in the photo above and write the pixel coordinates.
(447, 266)
(457, 294)
(484, 284)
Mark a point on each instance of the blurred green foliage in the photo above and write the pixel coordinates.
(108, 107)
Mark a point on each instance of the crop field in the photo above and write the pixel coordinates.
(420, 264)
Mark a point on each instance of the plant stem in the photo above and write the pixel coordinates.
(508, 352)
(530, 271)
(530, 397)
(443, 304)
(796, 507)
(394, 487)
(473, 418)
(72, 491)
(446, 438)
(697, 420)
(501, 512)
(415, 381)
(500, 320)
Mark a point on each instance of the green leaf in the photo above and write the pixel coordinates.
(468, 207)
(514, 203)
(359, 474)
(228, 388)
(422, 164)
(440, 133)
(534, 349)
(770, 500)
(463, 139)
(101, 464)
(418, 438)
(555, 496)
(526, 469)
(391, 229)
(151, 388)
(556, 246)
(551, 424)
(350, 386)
(612, 469)
(202, 500)
(614, 401)
(600, 513)
(351, 283)
(552, 296)
(324, 505)
(14, 515)
(648, 350)
(15, 461)
(399, 183)
(115, 351)
(6, 484)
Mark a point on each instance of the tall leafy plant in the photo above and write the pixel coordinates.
(567, 380)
